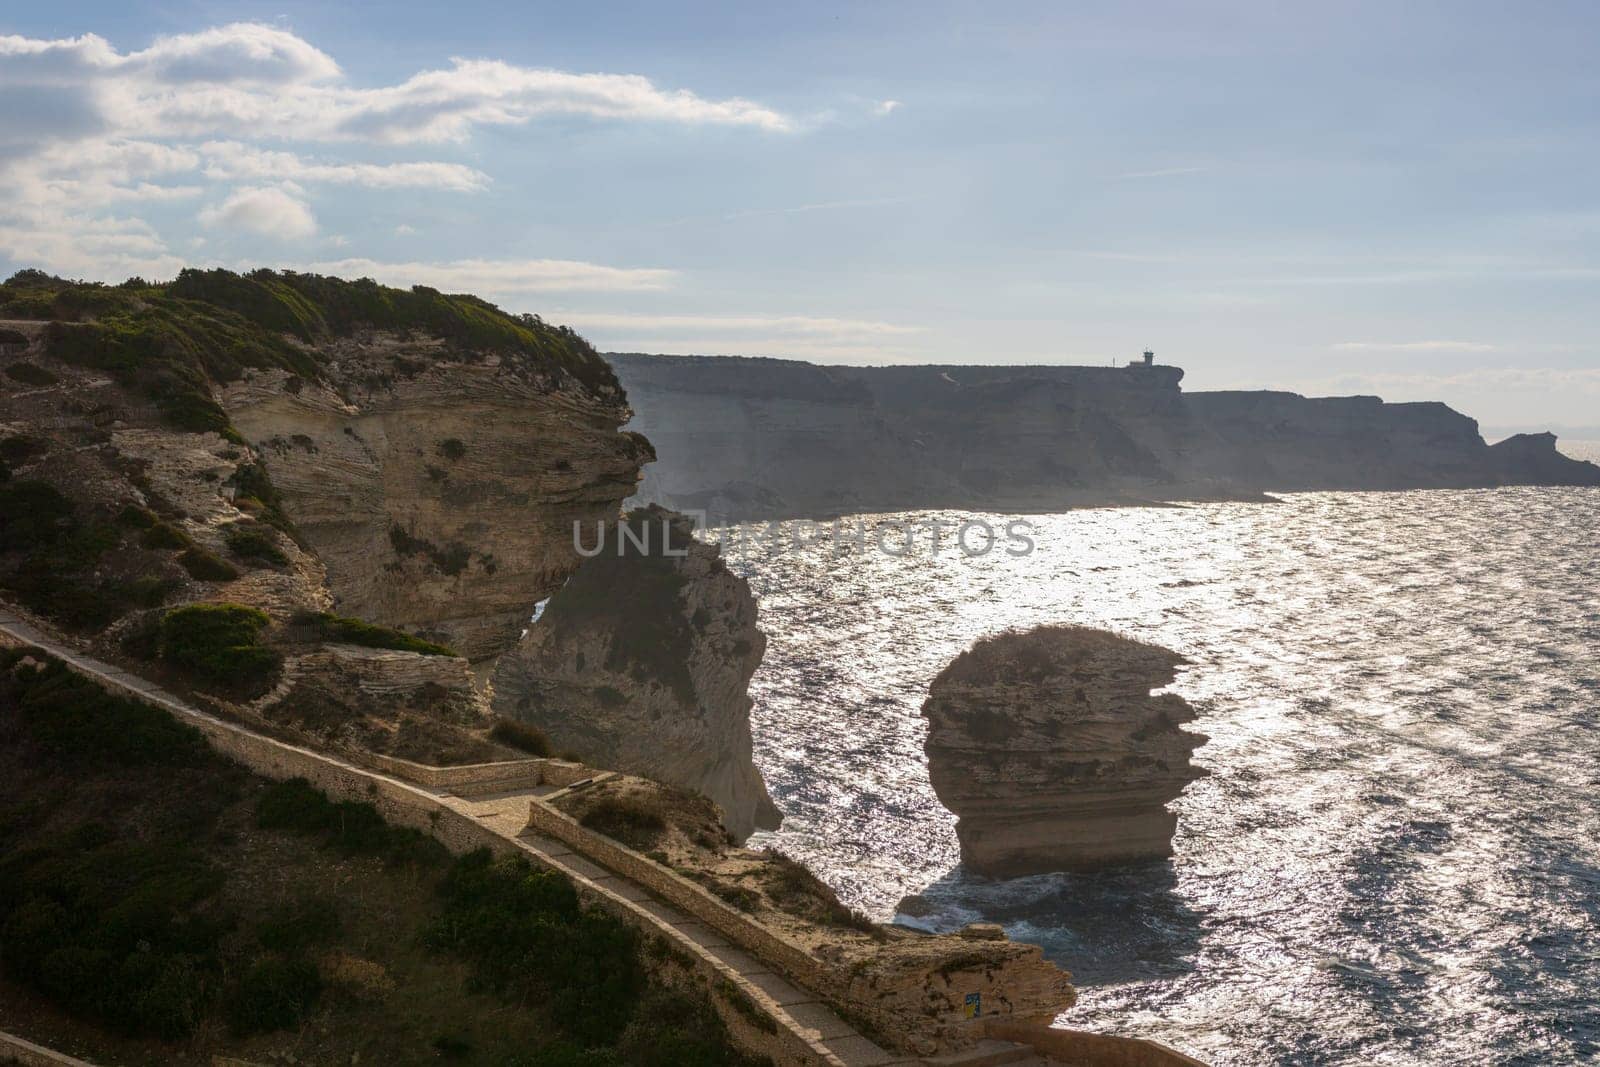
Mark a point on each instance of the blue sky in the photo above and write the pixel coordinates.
(1364, 197)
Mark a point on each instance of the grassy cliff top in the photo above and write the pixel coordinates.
(216, 323)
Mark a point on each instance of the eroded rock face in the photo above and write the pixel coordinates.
(107, 450)
(642, 663)
(1051, 750)
(438, 487)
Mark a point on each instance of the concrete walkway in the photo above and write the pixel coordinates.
(826, 1038)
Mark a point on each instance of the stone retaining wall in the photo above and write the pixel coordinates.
(14, 1049)
(473, 779)
(755, 937)
(1081, 1046)
(680, 892)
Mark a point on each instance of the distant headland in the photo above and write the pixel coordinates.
(759, 438)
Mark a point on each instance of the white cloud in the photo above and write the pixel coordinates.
(501, 276)
(1415, 346)
(405, 229)
(232, 161)
(240, 53)
(88, 246)
(270, 212)
(88, 128)
(258, 81)
(443, 105)
(886, 107)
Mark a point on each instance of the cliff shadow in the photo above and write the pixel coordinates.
(1122, 924)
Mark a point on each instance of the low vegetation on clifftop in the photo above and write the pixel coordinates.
(173, 340)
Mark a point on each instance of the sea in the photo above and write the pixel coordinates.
(1395, 855)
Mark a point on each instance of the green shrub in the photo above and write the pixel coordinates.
(343, 630)
(627, 819)
(161, 535)
(135, 517)
(794, 889)
(108, 924)
(672, 1029)
(563, 1054)
(292, 928)
(528, 938)
(251, 542)
(450, 561)
(206, 566)
(146, 591)
(30, 374)
(254, 491)
(114, 921)
(452, 448)
(520, 735)
(34, 515)
(20, 448)
(173, 341)
(59, 548)
(742, 897)
(273, 994)
(74, 719)
(220, 644)
(451, 1046)
(298, 807)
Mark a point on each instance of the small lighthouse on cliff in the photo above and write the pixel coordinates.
(1148, 361)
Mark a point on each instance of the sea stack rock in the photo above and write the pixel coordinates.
(1049, 747)
(642, 663)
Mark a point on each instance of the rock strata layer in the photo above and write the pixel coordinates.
(642, 663)
(439, 487)
(1050, 748)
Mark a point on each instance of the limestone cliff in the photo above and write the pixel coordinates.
(768, 437)
(143, 517)
(764, 438)
(439, 486)
(291, 451)
(1283, 441)
(642, 663)
(1054, 755)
